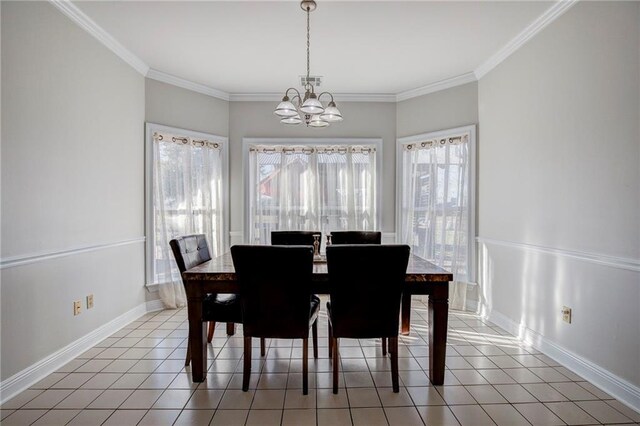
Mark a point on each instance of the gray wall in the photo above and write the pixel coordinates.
(177, 107)
(559, 168)
(446, 109)
(362, 120)
(72, 176)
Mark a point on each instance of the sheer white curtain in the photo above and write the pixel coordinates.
(435, 207)
(325, 188)
(188, 191)
(347, 177)
(282, 190)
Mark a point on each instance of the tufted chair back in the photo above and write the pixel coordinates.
(190, 251)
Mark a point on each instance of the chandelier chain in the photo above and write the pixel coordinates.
(308, 41)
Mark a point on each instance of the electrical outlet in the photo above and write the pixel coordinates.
(566, 314)
(90, 301)
(77, 307)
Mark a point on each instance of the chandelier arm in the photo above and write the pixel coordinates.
(299, 99)
(286, 94)
(326, 93)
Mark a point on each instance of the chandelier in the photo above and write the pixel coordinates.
(309, 105)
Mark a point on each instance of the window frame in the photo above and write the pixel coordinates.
(149, 220)
(471, 130)
(246, 142)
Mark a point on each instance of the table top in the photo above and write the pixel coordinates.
(221, 269)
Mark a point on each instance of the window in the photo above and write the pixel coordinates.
(318, 185)
(436, 198)
(186, 193)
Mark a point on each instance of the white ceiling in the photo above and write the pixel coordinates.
(357, 46)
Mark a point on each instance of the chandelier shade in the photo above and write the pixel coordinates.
(331, 113)
(293, 120)
(307, 108)
(312, 106)
(318, 121)
(285, 109)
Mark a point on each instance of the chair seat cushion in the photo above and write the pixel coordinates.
(222, 308)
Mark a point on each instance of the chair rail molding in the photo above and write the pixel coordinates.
(24, 259)
(600, 259)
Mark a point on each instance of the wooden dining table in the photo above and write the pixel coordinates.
(423, 277)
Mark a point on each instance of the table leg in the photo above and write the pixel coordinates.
(438, 317)
(406, 313)
(196, 340)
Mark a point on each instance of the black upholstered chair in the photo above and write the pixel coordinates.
(359, 237)
(293, 238)
(356, 237)
(276, 303)
(190, 251)
(366, 287)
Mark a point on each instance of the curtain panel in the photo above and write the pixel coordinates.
(435, 206)
(188, 197)
(306, 187)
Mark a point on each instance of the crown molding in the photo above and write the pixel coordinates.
(550, 15)
(90, 26)
(186, 84)
(86, 23)
(437, 86)
(339, 97)
(255, 97)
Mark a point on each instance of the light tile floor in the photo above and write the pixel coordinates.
(137, 376)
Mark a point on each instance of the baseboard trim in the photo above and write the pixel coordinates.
(36, 372)
(154, 305)
(472, 305)
(604, 379)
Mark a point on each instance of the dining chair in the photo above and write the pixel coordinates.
(193, 250)
(359, 237)
(293, 238)
(276, 303)
(356, 237)
(366, 284)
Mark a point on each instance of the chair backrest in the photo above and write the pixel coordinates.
(356, 237)
(293, 238)
(275, 286)
(190, 251)
(366, 283)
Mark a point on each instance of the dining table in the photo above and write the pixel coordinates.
(422, 278)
